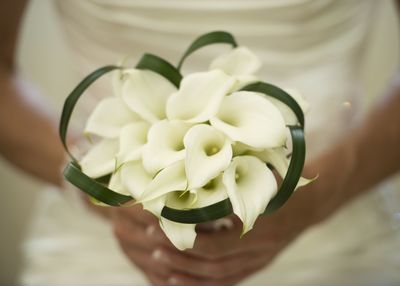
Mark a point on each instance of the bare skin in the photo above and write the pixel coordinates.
(218, 258)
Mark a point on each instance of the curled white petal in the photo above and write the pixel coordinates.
(250, 186)
(116, 184)
(208, 153)
(134, 178)
(239, 61)
(146, 93)
(181, 235)
(240, 148)
(249, 118)
(170, 179)
(132, 139)
(165, 145)
(199, 96)
(287, 113)
(278, 159)
(100, 160)
(108, 118)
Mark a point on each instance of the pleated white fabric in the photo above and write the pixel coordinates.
(314, 46)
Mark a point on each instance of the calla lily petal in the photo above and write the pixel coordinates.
(134, 178)
(170, 179)
(251, 119)
(109, 116)
(208, 153)
(278, 159)
(116, 81)
(250, 186)
(199, 96)
(100, 160)
(132, 138)
(240, 148)
(155, 206)
(211, 193)
(146, 93)
(165, 145)
(239, 61)
(287, 113)
(181, 235)
(116, 184)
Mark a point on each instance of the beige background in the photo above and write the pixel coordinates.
(43, 59)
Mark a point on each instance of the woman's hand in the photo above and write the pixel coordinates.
(219, 257)
(223, 258)
(139, 235)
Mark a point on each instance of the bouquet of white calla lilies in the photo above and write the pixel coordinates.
(192, 148)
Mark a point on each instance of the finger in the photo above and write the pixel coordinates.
(145, 260)
(213, 269)
(137, 214)
(155, 279)
(130, 233)
(228, 242)
(180, 279)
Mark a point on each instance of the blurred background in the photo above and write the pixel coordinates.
(42, 53)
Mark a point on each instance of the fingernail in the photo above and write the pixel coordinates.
(157, 255)
(173, 281)
(150, 230)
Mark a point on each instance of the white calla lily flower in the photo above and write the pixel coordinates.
(165, 145)
(249, 118)
(287, 113)
(208, 153)
(237, 62)
(250, 186)
(100, 160)
(181, 235)
(278, 159)
(146, 93)
(108, 118)
(170, 179)
(131, 141)
(134, 178)
(199, 96)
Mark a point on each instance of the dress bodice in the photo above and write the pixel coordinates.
(310, 45)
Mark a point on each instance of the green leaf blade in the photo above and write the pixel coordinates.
(93, 188)
(199, 215)
(216, 37)
(72, 100)
(293, 173)
(160, 66)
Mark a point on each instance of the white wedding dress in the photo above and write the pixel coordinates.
(315, 46)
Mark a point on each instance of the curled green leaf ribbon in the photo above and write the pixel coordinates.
(97, 188)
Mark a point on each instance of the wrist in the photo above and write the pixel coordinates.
(335, 183)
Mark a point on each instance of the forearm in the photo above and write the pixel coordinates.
(29, 138)
(364, 158)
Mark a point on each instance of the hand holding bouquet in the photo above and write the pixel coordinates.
(191, 148)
